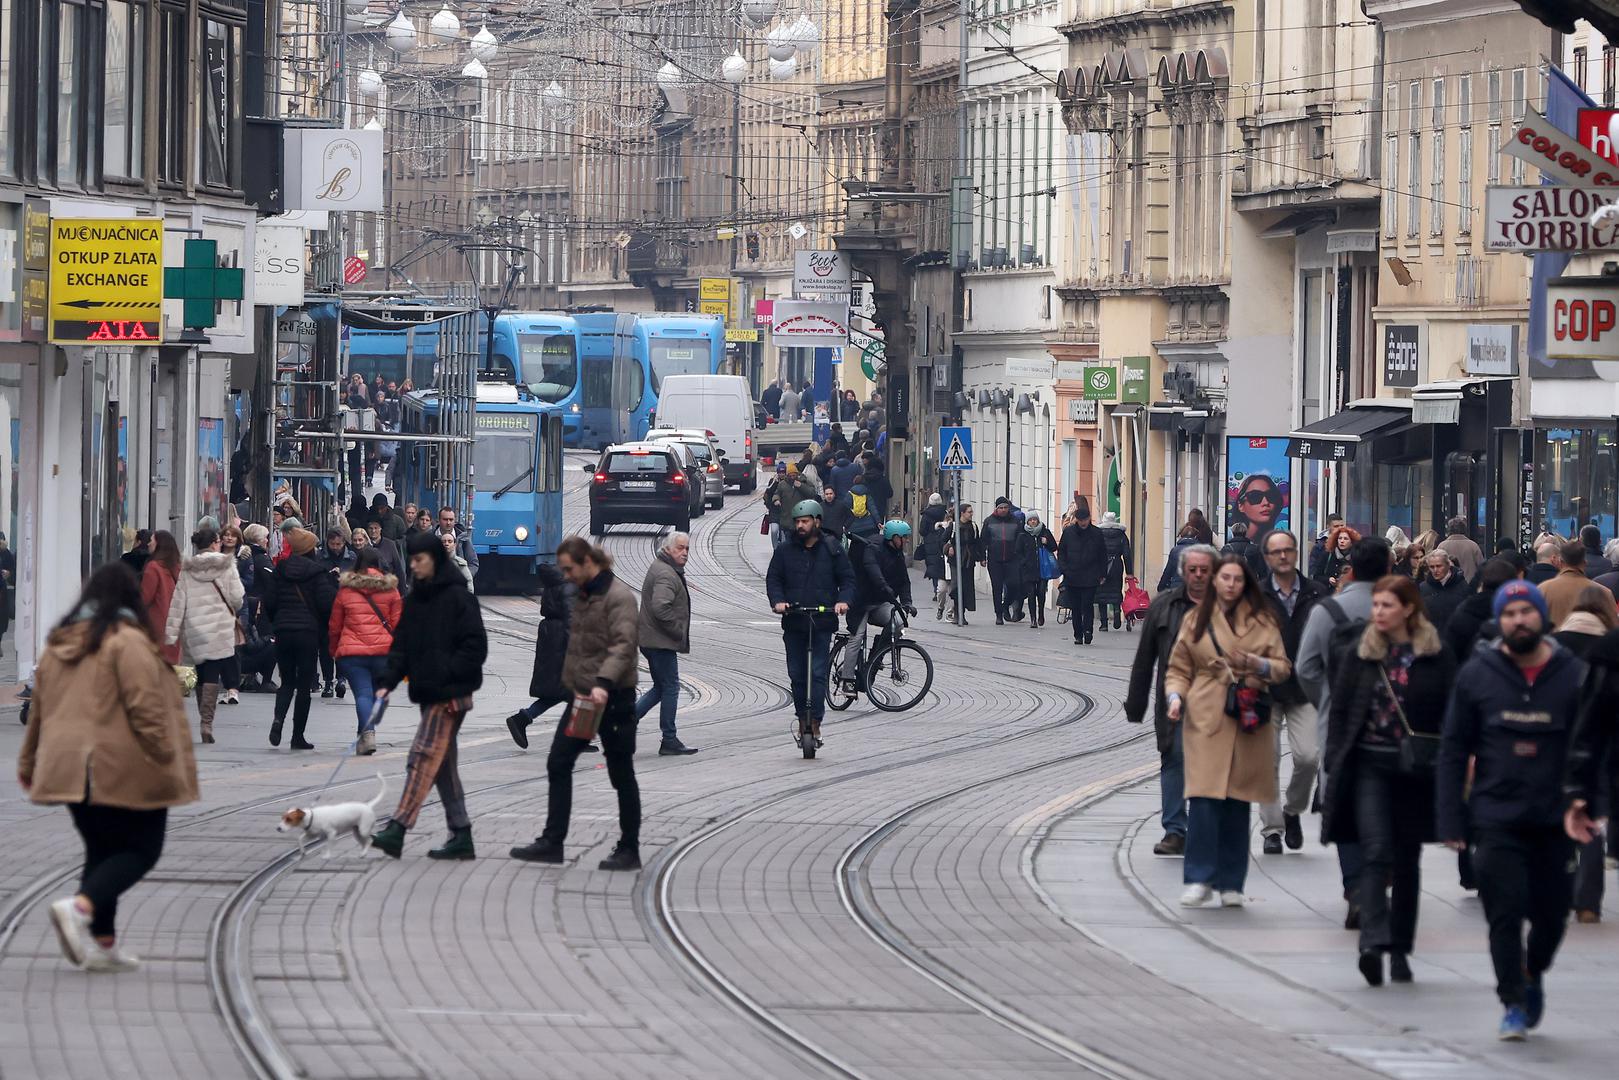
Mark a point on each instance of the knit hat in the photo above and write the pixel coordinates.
(781, 466)
(935, 499)
(1110, 518)
(302, 541)
(1002, 501)
(1518, 589)
(792, 469)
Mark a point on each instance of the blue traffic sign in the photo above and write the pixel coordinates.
(955, 449)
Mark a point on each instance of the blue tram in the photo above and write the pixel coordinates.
(540, 351)
(516, 478)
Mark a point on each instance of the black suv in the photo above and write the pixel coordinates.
(642, 483)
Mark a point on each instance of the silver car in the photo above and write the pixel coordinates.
(709, 456)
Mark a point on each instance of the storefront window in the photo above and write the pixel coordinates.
(1404, 496)
(1575, 469)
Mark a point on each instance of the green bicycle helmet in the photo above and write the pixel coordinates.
(806, 508)
(892, 529)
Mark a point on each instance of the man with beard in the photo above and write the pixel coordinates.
(1512, 710)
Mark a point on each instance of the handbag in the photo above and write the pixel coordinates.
(764, 526)
(1249, 706)
(1419, 751)
(240, 637)
(584, 718)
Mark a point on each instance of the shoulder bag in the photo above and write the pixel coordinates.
(1248, 706)
(383, 619)
(241, 635)
(1419, 751)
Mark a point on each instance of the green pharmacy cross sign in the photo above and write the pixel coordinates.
(202, 283)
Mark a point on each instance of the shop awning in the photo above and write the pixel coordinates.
(1334, 438)
(1129, 408)
(1441, 402)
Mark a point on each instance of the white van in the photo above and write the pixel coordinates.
(721, 404)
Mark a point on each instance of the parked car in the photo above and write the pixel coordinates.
(642, 483)
(710, 457)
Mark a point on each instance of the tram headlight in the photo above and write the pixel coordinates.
(574, 407)
(521, 532)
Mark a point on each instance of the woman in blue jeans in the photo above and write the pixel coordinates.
(361, 632)
(1232, 639)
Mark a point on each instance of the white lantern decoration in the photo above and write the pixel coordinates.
(401, 33)
(668, 76)
(356, 7)
(781, 48)
(475, 69)
(355, 21)
(445, 26)
(760, 12)
(373, 124)
(806, 35)
(484, 46)
(735, 69)
(554, 95)
(369, 82)
(782, 70)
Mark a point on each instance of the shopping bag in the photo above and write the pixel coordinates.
(584, 717)
(1049, 570)
(1136, 600)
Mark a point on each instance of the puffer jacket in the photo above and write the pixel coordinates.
(299, 599)
(440, 641)
(107, 727)
(818, 575)
(355, 629)
(602, 638)
(1001, 539)
(551, 636)
(202, 612)
(665, 619)
(157, 593)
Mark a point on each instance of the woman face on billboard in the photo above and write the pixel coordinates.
(1260, 503)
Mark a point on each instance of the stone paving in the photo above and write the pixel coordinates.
(965, 890)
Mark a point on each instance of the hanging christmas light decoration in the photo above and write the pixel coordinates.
(356, 7)
(780, 45)
(668, 76)
(401, 34)
(373, 124)
(735, 69)
(475, 69)
(369, 82)
(444, 26)
(484, 46)
(760, 12)
(782, 70)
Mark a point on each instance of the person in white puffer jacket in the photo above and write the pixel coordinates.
(202, 618)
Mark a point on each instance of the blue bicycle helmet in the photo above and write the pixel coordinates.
(892, 529)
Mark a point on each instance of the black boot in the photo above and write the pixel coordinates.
(391, 840)
(275, 732)
(540, 851)
(517, 724)
(298, 740)
(458, 846)
(622, 858)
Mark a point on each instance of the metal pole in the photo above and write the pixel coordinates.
(960, 585)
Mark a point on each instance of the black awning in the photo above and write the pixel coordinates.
(1334, 438)
(1129, 408)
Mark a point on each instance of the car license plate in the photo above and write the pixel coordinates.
(639, 485)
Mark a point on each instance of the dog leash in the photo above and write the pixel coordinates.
(377, 710)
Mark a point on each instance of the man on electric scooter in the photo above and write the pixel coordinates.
(809, 570)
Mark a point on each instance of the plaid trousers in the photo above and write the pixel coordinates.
(432, 763)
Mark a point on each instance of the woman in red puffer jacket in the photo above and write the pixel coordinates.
(361, 632)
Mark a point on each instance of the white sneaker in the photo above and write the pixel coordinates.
(101, 958)
(1196, 895)
(72, 929)
(1231, 898)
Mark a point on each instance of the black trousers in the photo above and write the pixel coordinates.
(120, 847)
(1524, 873)
(1390, 853)
(617, 735)
(999, 573)
(1082, 605)
(328, 663)
(295, 653)
(1103, 611)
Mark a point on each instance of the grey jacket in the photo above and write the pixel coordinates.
(1355, 600)
(665, 619)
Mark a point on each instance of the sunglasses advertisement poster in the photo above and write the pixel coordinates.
(1258, 488)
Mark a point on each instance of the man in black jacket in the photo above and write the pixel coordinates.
(550, 647)
(1293, 596)
(338, 558)
(999, 543)
(1511, 712)
(1082, 554)
(441, 646)
(1158, 633)
(1596, 563)
(809, 570)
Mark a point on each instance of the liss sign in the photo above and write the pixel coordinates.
(1584, 319)
(1548, 218)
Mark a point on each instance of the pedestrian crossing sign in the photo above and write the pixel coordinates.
(955, 449)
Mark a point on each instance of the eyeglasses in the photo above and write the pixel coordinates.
(1259, 495)
(1289, 550)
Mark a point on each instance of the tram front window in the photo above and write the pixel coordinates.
(503, 461)
(685, 356)
(550, 365)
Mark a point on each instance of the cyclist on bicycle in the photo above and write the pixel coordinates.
(809, 570)
(881, 577)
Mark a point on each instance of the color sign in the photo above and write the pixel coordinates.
(106, 280)
(1101, 384)
(955, 449)
(1557, 154)
(821, 275)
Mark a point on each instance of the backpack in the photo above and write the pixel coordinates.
(1346, 635)
(857, 506)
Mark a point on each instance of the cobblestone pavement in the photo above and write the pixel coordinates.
(965, 890)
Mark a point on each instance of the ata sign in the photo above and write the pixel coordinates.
(1548, 218)
(821, 275)
(106, 280)
(1584, 322)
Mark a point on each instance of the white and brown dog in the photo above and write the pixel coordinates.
(330, 821)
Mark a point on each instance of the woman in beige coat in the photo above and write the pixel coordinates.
(1232, 637)
(107, 737)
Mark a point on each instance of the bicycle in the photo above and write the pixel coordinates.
(897, 674)
(803, 734)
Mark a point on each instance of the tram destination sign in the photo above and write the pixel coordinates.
(1549, 218)
(106, 280)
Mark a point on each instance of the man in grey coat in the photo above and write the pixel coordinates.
(665, 633)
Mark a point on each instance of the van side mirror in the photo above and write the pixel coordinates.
(588, 468)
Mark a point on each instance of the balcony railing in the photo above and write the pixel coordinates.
(1302, 151)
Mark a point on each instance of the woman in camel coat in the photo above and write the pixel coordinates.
(1232, 635)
